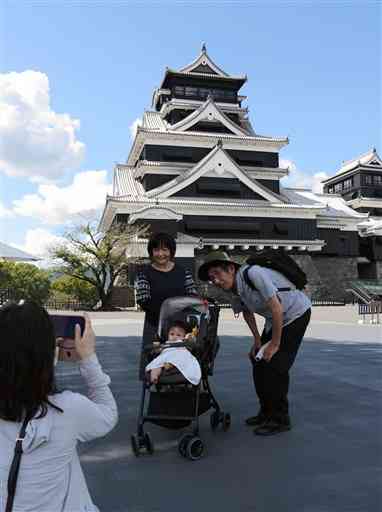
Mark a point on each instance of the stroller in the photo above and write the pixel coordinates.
(174, 402)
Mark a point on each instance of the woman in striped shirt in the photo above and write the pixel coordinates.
(161, 279)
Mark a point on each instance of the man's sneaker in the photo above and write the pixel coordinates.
(256, 421)
(272, 427)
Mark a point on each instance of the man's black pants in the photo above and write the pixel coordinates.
(271, 378)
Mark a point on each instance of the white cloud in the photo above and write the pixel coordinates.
(4, 212)
(36, 141)
(300, 179)
(58, 205)
(39, 241)
(287, 164)
(134, 127)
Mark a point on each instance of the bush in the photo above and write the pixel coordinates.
(25, 281)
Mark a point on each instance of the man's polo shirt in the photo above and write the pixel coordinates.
(266, 282)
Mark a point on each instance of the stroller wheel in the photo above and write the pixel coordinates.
(214, 420)
(194, 448)
(226, 421)
(182, 445)
(148, 442)
(135, 445)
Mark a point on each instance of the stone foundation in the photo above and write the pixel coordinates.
(334, 275)
(328, 277)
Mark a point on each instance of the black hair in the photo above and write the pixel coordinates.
(223, 265)
(27, 351)
(179, 323)
(158, 240)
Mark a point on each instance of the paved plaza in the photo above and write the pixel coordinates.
(329, 462)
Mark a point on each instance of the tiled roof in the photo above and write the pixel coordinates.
(364, 159)
(208, 75)
(335, 205)
(124, 182)
(196, 201)
(11, 253)
(159, 126)
(370, 160)
(153, 121)
(371, 227)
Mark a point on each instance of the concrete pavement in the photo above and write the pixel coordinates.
(329, 462)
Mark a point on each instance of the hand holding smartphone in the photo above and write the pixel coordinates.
(70, 331)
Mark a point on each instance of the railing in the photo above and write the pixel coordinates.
(73, 305)
(329, 302)
(366, 290)
(374, 309)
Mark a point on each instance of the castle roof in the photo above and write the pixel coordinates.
(8, 252)
(369, 160)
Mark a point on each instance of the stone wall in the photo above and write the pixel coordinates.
(328, 277)
(334, 275)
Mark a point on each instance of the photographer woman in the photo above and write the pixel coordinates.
(50, 478)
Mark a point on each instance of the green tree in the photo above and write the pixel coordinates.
(75, 288)
(25, 281)
(97, 258)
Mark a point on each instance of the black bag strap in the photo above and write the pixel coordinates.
(15, 466)
(253, 287)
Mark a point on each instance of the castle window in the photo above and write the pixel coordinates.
(338, 188)
(378, 179)
(203, 93)
(348, 183)
(367, 179)
(191, 92)
(179, 91)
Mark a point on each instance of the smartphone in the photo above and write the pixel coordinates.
(64, 328)
(64, 325)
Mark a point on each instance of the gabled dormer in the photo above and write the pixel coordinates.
(216, 174)
(211, 118)
(203, 64)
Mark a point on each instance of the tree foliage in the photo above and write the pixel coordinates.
(74, 288)
(97, 258)
(25, 281)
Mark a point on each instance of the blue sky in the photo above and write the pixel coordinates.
(314, 72)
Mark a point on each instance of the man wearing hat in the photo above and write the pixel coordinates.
(287, 313)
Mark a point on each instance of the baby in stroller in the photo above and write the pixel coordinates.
(174, 401)
(178, 357)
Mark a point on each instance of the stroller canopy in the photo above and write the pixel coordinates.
(176, 308)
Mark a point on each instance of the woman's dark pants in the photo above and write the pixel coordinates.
(271, 378)
(149, 333)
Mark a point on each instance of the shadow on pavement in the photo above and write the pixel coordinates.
(329, 462)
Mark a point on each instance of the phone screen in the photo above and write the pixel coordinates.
(64, 325)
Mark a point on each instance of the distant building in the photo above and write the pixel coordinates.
(11, 253)
(198, 169)
(359, 183)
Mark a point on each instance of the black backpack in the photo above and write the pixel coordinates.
(277, 260)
